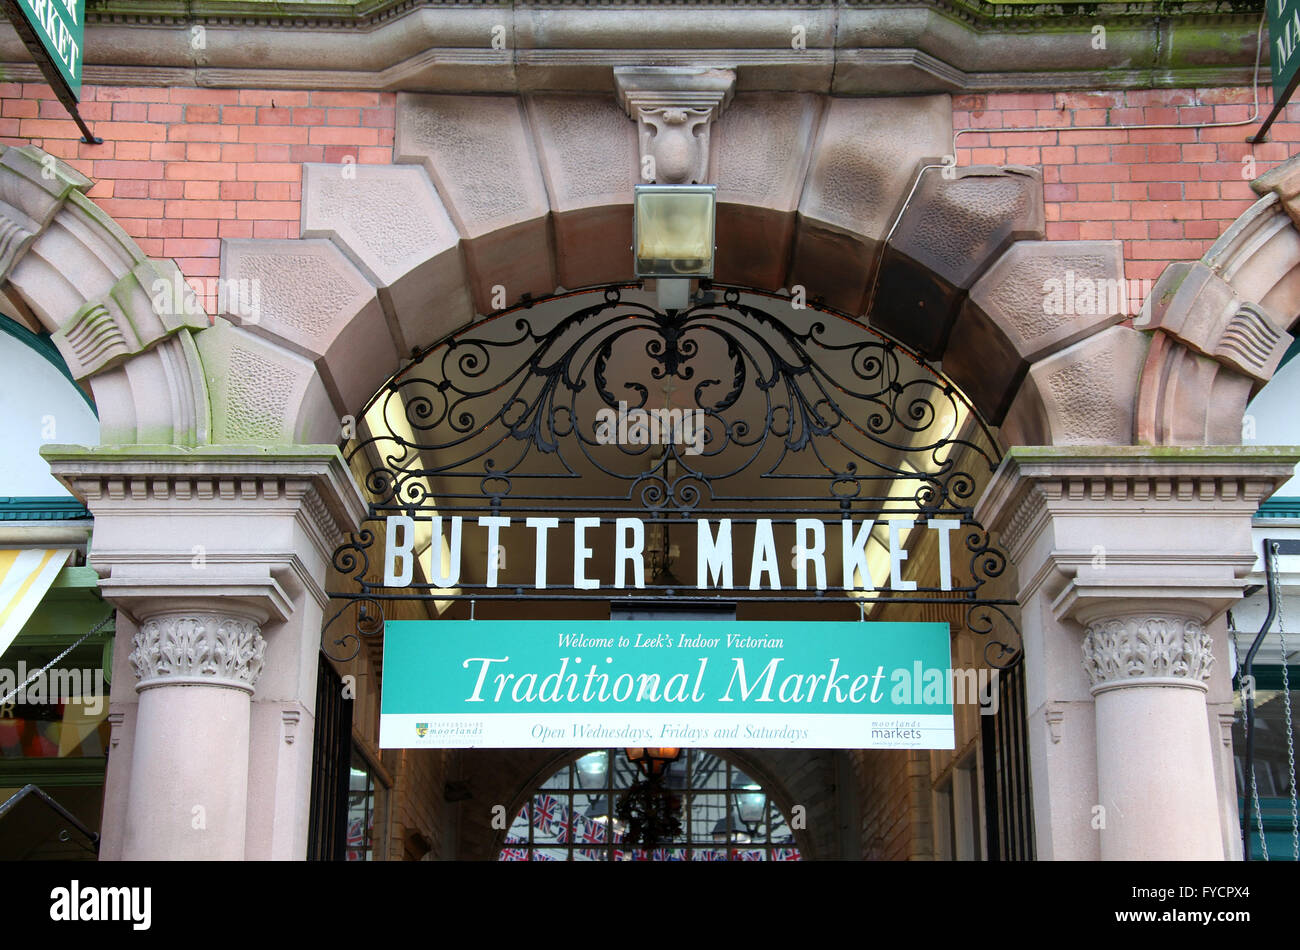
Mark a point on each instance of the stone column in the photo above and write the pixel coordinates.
(197, 667)
(1127, 557)
(1149, 675)
(216, 558)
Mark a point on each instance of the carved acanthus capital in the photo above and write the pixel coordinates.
(674, 106)
(200, 648)
(1148, 650)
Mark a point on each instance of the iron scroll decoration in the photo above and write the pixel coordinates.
(502, 417)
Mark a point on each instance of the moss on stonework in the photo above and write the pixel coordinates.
(67, 453)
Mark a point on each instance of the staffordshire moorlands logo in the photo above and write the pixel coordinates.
(421, 729)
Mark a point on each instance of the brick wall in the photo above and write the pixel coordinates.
(181, 168)
(1166, 193)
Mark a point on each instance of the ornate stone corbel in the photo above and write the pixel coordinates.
(674, 106)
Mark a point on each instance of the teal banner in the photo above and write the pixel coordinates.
(728, 684)
(59, 27)
(1284, 33)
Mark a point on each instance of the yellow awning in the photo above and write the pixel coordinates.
(25, 576)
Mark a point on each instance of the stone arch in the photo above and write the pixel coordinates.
(495, 199)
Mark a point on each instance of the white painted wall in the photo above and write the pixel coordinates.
(1276, 416)
(38, 405)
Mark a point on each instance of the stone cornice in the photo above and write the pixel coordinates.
(850, 48)
(1031, 479)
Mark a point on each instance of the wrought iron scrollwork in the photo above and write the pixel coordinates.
(727, 408)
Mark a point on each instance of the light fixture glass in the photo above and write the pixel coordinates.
(673, 230)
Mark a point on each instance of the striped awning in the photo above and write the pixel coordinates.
(25, 576)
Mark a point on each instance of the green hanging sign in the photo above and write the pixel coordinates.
(711, 683)
(59, 28)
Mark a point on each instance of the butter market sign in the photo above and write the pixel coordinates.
(1284, 56)
(746, 448)
(592, 684)
(53, 31)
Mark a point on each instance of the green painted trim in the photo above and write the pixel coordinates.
(180, 453)
(1289, 355)
(45, 347)
(19, 508)
(53, 772)
(1279, 506)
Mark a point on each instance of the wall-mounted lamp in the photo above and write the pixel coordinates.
(673, 237)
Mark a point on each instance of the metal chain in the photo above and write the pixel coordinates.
(1290, 732)
(31, 679)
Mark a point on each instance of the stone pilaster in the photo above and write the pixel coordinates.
(1127, 557)
(216, 558)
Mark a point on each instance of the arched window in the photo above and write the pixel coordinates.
(725, 814)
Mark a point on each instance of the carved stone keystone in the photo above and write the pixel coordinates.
(674, 106)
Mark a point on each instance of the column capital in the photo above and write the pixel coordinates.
(198, 647)
(1158, 525)
(1147, 649)
(235, 528)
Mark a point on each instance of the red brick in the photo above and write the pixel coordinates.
(273, 97)
(269, 171)
(238, 115)
(271, 191)
(1160, 116)
(1093, 153)
(343, 116)
(377, 155)
(239, 190)
(36, 90)
(1051, 117)
(290, 134)
(201, 114)
(1216, 96)
(1062, 231)
(116, 169)
(342, 136)
(166, 189)
(199, 266)
(1007, 139)
(130, 111)
(1202, 229)
(1165, 230)
(194, 228)
(139, 131)
(1172, 171)
(1125, 117)
(265, 152)
(189, 247)
(1200, 153)
(1225, 210)
(275, 230)
(48, 128)
(204, 133)
(127, 151)
(1068, 137)
(165, 112)
(1131, 190)
(1075, 173)
(131, 208)
(243, 152)
(1098, 191)
(203, 190)
(1165, 190)
(200, 209)
(204, 97)
(363, 99)
(1131, 230)
(337, 154)
(134, 188)
(1231, 113)
(1094, 211)
(1096, 231)
(1195, 115)
(1158, 97)
(270, 116)
(203, 151)
(18, 108)
(1167, 210)
(269, 210)
(201, 171)
(306, 153)
(387, 117)
(235, 229)
(1166, 250)
(128, 93)
(1198, 190)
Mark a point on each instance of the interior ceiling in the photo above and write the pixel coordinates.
(458, 404)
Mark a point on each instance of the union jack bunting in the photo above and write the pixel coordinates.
(786, 854)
